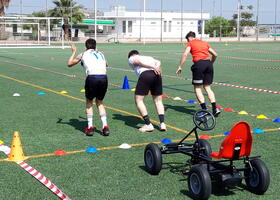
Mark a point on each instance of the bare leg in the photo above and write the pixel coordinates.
(160, 111)
(199, 93)
(100, 107)
(159, 104)
(139, 101)
(210, 93)
(89, 112)
(103, 117)
(89, 107)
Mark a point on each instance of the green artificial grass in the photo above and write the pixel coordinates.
(54, 121)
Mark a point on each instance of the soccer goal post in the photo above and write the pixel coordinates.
(31, 32)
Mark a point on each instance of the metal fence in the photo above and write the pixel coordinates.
(165, 20)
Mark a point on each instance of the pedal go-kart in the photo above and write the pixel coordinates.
(204, 171)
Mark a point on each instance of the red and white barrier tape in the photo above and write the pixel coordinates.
(249, 59)
(232, 110)
(37, 175)
(247, 88)
(44, 180)
(249, 66)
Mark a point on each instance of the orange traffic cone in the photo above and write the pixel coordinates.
(16, 153)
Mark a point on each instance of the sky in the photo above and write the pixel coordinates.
(229, 7)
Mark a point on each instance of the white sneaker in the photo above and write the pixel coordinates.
(162, 127)
(146, 128)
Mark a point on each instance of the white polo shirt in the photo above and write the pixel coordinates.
(93, 62)
(147, 60)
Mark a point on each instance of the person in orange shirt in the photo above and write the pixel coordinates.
(202, 69)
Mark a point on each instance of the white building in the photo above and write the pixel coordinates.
(139, 25)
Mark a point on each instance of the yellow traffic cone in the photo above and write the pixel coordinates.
(16, 153)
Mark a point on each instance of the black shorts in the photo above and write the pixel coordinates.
(202, 72)
(149, 81)
(96, 86)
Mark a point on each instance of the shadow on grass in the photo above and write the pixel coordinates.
(128, 120)
(173, 167)
(79, 125)
(182, 109)
(218, 189)
(8, 57)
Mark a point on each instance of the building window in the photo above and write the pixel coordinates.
(129, 26)
(124, 26)
(164, 26)
(169, 26)
(153, 23)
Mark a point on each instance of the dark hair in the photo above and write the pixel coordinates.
(90, 44)
(133, 52)
(190, 34)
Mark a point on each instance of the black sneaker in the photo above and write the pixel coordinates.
(217, 112)
(105, 131)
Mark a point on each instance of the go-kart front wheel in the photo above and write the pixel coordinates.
(153, 159)
(257, 177)
(199, 182)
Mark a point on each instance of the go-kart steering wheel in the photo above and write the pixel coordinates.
(204, 120)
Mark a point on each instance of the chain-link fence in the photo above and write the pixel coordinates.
(165, 20)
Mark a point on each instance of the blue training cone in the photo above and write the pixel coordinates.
(258, 130)
(166, 141)
(191, 101)
(227, 133)
(91, 149)
(125, 84)
(276, 120)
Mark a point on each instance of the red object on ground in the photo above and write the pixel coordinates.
(205, 137)
(164, 96)
(218, 106)
(228, 109)
(60, 152)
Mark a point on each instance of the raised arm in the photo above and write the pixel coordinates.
(72, 59)
(214, 54)
(183, 60)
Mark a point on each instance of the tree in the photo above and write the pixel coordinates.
(218, 26)
(245, 18)
(66, 9)
(3, 5)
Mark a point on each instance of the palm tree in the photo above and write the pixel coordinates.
(3, 4)
(66, 9)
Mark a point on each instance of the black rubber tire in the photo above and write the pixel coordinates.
(199, 182)
(153, 159)
(207, 147)
(257, 180)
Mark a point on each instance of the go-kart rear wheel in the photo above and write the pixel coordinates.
(205, 147)
(257, 178)
(153, 159)
(199, 182)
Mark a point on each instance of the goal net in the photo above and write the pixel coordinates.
(31, 32)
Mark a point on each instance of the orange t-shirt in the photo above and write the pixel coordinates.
(199, 50)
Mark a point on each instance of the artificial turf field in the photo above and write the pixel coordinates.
(56, 121)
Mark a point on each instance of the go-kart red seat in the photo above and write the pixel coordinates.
(237, 144)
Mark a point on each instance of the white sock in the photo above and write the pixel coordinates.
(104, 120)
(89, 120)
